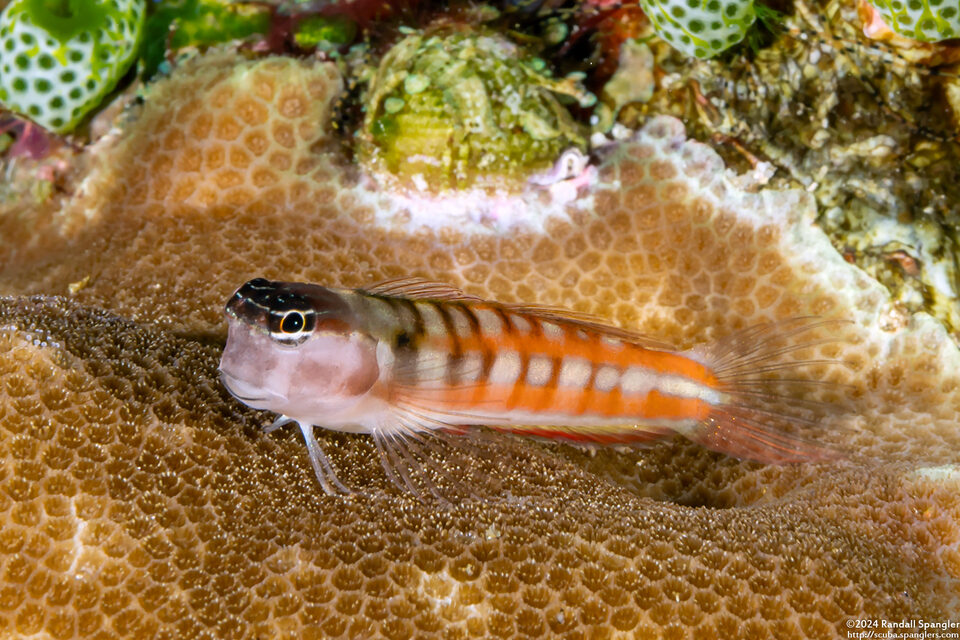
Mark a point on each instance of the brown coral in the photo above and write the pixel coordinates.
(141, 501)
(137, 499)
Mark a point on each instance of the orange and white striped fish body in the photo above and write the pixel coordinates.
(410, 356)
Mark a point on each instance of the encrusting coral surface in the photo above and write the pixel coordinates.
(137, 499)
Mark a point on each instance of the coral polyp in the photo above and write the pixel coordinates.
(59, 58)
(466, 108)
(925, 20)
(701, 28)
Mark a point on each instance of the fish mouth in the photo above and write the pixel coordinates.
(243, 391)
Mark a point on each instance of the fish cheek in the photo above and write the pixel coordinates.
(343, 368)
(248, 356)
(365, 374)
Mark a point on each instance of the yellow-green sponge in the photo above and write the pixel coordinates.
(701, 28)
(58, 58)
(927, 20)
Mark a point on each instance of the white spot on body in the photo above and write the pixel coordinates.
(552, 331)
(539, 370)
(574, 373)
(681, 387)
(637, 380)
(490, 322)
(606, 378)
(461, 324)
(432, 321)
(613, 343)
(521, 324)
(431, 366)
(506, 368)
(382, 308)
(470, 368)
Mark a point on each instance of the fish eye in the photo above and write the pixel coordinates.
(292, 322)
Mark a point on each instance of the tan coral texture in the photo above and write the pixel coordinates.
(137, 499)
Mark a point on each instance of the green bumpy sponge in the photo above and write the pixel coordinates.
(59, 58)
(926, 20)
(701, 28)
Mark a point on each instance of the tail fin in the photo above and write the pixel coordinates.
(767, 418)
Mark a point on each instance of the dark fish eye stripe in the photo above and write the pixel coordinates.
(275, 297)
(269, 306)
(259, 283)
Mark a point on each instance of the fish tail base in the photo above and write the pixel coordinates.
(771, 409)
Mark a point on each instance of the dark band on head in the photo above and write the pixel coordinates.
(268, 305)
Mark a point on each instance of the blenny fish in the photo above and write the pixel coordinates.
(410, 357)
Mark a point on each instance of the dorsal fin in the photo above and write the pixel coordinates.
(589, 322)
(421, 288)
(547, 312)
(416, 287)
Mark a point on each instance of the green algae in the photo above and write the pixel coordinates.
(325, 33)
(198, 23)
(66, 19)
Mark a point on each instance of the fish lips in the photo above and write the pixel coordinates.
(249, 394)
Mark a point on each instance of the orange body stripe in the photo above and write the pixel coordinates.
(569, 401)
(673, 408)
(593, 348)
(573, 342)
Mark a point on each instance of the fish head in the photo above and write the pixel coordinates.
(296, 349)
